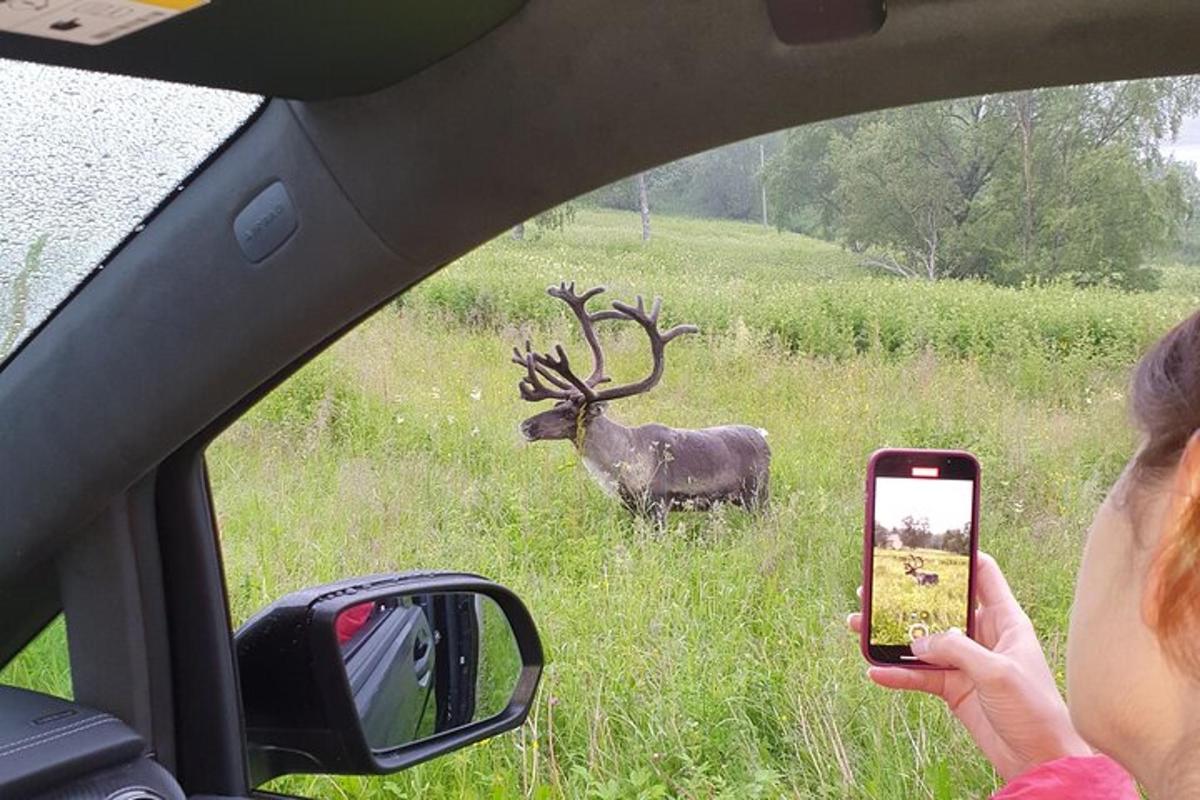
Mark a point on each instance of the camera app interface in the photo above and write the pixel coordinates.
(922, 546)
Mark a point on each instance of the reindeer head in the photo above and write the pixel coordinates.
(550, 377)
(912, 564)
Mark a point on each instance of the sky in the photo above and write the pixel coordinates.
(1186, 146)
(946, 504)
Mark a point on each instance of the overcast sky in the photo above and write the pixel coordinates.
(1186, 146)
(946, 504)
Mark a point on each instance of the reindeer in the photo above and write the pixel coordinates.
(652, 468)
(912, 566)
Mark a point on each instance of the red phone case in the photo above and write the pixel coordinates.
(868, 555)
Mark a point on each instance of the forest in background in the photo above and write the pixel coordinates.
(1065, 184)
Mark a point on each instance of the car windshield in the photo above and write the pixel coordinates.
(85, 158)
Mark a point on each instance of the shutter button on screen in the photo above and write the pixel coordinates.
(266, 223)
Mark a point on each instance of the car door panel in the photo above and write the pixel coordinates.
(46, 742)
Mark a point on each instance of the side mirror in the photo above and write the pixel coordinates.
(372, 675)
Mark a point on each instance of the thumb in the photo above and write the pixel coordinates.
(953, 649)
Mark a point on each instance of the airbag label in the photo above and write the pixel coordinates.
(265, 223)
(87, 21)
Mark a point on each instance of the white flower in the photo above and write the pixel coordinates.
(476, 394)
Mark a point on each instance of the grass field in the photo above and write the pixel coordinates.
(898, 601)
(709, 661)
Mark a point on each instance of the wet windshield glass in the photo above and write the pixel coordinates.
(85, 157)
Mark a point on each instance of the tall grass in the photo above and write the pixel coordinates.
(809, 297)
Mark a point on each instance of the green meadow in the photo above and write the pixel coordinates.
(709, 660)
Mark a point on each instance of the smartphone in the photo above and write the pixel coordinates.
(919, 550)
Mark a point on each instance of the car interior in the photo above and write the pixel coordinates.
(391, 139)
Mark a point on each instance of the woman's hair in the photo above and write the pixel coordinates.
(1165, 400)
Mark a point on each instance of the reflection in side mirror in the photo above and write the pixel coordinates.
(376, 674)
(420, 665)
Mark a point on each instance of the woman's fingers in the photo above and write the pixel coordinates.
(854, 620)
(953, 649)
(994, 594)
(912, 680)
(991, 587)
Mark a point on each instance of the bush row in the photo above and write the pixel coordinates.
(859, 315)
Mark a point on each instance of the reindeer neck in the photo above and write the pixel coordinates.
(598, 433)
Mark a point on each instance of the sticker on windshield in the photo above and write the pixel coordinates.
(88, 21)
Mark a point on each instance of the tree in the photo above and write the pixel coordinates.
(762, 166)
(1049, 184)
(957, 541)
(915, 533)
(1186, 184)
(644, 206)
(724, 183)
(910, 184)
(552, 219)
(1096, 198)
(800, 180)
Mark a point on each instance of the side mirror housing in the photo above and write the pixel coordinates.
(375, 674)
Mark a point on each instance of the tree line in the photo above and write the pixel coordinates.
(914, 534)
(1056, 184)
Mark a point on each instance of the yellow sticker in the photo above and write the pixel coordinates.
(87, 21)
(177, 5)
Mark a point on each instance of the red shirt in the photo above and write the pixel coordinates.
(1090, 777)
(350, 620)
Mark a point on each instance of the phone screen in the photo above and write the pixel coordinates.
(922, 515)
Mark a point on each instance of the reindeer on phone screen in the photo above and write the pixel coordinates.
(652, 468)
(912, 567)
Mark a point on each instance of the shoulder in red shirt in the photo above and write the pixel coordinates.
(1091, 777)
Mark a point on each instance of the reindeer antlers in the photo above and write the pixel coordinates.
(531, 386)
(566, 292)
(556, 369)
(578, 304)
(658, 343)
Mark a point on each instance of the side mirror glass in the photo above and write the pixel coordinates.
(420, 665)
(377, 674)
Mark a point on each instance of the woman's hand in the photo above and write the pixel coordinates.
(1001, 689)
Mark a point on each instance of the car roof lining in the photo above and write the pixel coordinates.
(282, 48)
(178, 329)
